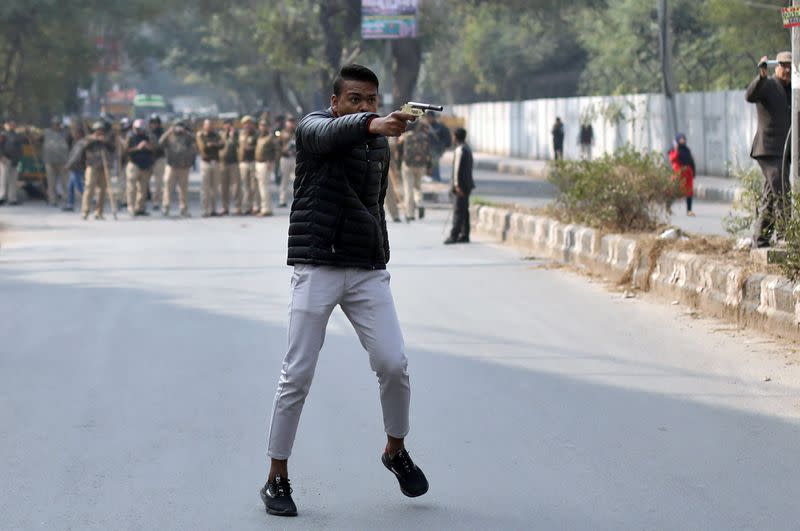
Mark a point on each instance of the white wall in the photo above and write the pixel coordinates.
(719, 126)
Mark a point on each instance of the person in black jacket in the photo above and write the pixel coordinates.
(772, 96)
(11, 144)
(462, 187)
(339, 247)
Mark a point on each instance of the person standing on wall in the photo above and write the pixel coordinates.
(772, 96)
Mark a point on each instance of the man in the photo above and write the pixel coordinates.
(339, 248)
(229, 170)
(77, 170)
(441, 139)
(462, 187)
(95, 153)
(209, 144)
(267, 151)
(160, 163)
(393, 199)
(772, 96)
(558, 139)
(11, 143)
(180, 149)
(248, 138)
(415, 146)
(140, 150)
(586, 139)
(55, 152)
(288, 154)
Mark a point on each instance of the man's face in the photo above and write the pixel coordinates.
(153, 126)
(207, 126)
(248, 127)
(100, 135)
(262, 127)
(784, 72)
(290, 126)
(11, 125)
(355, 97)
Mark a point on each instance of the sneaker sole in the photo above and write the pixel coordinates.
(404, 491)
(273, 511)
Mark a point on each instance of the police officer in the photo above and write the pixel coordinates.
(160, 163)
(229, 170)
(288, 148)
(209, 144)
(10, 155)
(267, 150)
(248, 138)
(140, 148)
(415, 146)
(55, 153)
(180, 149)
(95, 151)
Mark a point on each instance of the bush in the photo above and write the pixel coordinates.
(789, 229)
(626, 191)
(739, 221)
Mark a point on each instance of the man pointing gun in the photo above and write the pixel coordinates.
(339, 247)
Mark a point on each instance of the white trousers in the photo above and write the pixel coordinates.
(366, 299)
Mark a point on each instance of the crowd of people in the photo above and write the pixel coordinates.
(240, 161)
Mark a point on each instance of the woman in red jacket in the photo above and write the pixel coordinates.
(683, 163)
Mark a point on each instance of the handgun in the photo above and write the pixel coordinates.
(418, 109)
(768, 63)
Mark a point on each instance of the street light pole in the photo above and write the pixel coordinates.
(668, 79)
(795, 105)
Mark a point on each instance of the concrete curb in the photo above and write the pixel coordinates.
(765, 302)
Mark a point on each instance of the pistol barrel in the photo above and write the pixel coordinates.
(426, 106)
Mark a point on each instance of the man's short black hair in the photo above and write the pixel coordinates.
(460, 134)
(353, 72)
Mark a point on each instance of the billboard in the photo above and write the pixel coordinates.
(389, 19)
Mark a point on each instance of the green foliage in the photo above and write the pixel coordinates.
(790, 229)
(739, 221)
(623, 192)
(715, 44)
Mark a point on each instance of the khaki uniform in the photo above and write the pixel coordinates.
(54, 153)
(97, 156)
(180, 150)
(288, 157)
(209, 146)
(267, 151)
(417, 158)
(247, 170)
(393, 191)
(230, 184)
(138, 175)
(159, 168)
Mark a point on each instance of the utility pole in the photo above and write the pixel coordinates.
(795, 105)
(667, 77)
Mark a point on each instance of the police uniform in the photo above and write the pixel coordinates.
(96, 155)
(417, 158)
(229, 173)
(288, 147)
(267, 149)
(209, 145)
(247, 168)
(180, 150)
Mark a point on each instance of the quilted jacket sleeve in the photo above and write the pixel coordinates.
(320, 133)
(381, 199)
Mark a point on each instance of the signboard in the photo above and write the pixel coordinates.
(791, 16)
(389, 19)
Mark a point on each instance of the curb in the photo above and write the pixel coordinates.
(768, 303)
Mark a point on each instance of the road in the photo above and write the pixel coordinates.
(535, 192)
(138, 361)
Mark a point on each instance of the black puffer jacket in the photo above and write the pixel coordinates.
(337, 215)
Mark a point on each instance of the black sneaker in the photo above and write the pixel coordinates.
(421, 212)
(277, 497)
(411, 478)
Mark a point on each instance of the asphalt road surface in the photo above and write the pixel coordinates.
(138, 360)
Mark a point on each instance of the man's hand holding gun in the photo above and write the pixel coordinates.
(395, 123)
